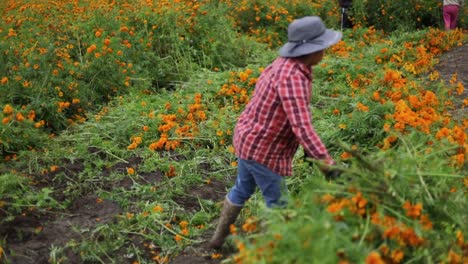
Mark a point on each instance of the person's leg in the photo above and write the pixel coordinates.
(245, 185)
(271, 184)
(233, 203)
(447, 17)
(453, 22)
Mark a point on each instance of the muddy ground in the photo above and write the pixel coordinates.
(32, 246)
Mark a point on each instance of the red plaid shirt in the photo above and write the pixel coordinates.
(278, 119)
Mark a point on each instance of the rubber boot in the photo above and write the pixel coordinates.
(228, 216)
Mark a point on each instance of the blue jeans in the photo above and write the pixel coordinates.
(251, 174)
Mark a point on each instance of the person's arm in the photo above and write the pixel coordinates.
(295, 96)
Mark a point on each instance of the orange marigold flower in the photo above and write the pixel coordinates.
(413, 211)
(386, 127)
(183, 224)
(374, 258)
(397, 255)
(460, 238)
(327, 198)
(376, 95)
(157, 209)
(8, 109)
(250, 225)
(425, 222)
(130, 171)
(19, 117)
(4, 80)
(91, 48)
(346, 155)
(454, 258)
(443, 132)
(362, 107)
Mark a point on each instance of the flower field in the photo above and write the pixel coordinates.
(117, 121)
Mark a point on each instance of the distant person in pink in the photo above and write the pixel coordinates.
(450, 12)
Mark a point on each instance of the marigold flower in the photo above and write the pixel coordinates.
(250, 225)
(413, 211)
(346, 155)
(183, 224)
(130, 171)
(91, 48)
(157, 209)
(8, 109)
(4, 80)
(397, 255)
(425, 222)
(362, 107)
(374, 258)
(19, 117)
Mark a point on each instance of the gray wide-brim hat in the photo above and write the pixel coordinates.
(307, 35)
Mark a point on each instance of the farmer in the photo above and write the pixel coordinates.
(345, 19)
(450, 12)
(276, 120)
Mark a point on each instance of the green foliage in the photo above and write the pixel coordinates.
(16, 196)
(401, 15)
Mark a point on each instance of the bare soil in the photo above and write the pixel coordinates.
(30, 237)
(456, 61)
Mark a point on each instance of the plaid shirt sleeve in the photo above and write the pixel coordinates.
(295, 94)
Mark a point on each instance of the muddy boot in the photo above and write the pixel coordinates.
(228, 216)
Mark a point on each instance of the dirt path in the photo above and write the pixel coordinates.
(456, 61)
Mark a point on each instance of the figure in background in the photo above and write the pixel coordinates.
(450, 13)
(345, 20)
